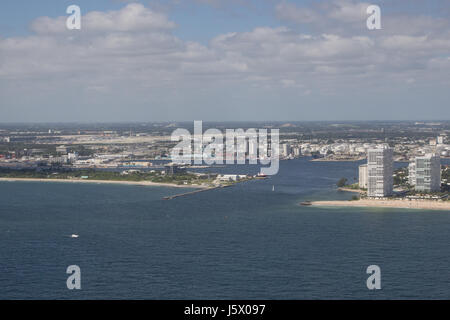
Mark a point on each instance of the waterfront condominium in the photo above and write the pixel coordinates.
(363, 176)
(286, 150)
(428, 173)
(380, 165)
(412, 173)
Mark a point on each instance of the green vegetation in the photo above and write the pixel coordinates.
(446, 174)
(157, 176)
(401, 177)
(82, 150)
(342, 182)
(446, 179)
(24, 148)
(354, 186)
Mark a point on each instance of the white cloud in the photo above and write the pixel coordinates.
(133, 17)
(290, 12)
(135, 50)
(137, 43)
(323, 13)
(348, 11)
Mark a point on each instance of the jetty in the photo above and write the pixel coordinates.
(191, 192)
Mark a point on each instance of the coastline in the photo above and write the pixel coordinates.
(136, 183)
(403, 204)
(338, 160)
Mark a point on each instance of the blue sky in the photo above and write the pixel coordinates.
(224, 60)
(15, 16)
(197, 21)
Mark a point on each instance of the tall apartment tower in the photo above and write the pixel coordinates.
(412, 173)
(428, 173)
(363, 175)
(286, 150)
(380, 167)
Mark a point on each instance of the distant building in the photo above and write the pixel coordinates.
(173, 169)
(440, 139)
(57, 160)
(428, 173)
(230, 177)
(252, 149)
(432, 142)
(363, 176)
(61, 149)
(285, 150)
(380, 167)
(72, 157)
(127, 172)
(412, 173)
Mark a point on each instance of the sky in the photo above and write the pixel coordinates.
(224, 60)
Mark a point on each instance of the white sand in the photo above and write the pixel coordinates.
(408, 204)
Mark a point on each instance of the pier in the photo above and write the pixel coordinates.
(190, 192)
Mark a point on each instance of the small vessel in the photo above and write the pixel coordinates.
(273, 188)
(74, 236)
(305, 203)
(261, 176)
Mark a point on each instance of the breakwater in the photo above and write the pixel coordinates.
(191, 192)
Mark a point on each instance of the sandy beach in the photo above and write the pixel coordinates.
(406, 204)
(136, 183)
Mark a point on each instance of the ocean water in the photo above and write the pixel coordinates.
(243, 242)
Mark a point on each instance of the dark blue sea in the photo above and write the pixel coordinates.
(242, 242)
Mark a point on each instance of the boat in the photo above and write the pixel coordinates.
(74, 236)
(306, 203)
(273, 188)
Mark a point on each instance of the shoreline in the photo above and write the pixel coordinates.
(401, 204)
(338, 160)
(136, 183)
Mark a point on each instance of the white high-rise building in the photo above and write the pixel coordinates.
(412, 173)
(380, 167)
(428, 173)
(363, 176)
(286, 150)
